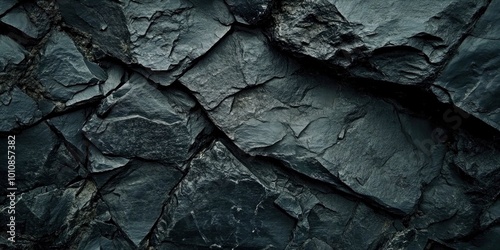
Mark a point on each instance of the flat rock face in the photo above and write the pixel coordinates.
(221, 197)
(103, 20)
(402, 43)
(169, 35)
(28, 19)
(17, 109)
(65, 73)
(139, 121)
(246, 56)
(321, 129)
(471, 77)
(135, 204)
(11, 52)
(6, 5)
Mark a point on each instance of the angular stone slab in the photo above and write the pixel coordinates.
(220, 197)
(11, 53)
(395, 41)
(17, 109)
(136, 196)
(319, 128)
(64, 72)
(138, 120)
(104, 21)
(471, 78)
(242, 60)
(169, 35)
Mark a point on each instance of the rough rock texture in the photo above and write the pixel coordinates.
(11, 52)
(64, 72)
(17, 109)
(313, 124)
(28, 19)
(393, 40)
(471, 77)
(250, 11)
(139, 121)
(244, 215)
(256, 124)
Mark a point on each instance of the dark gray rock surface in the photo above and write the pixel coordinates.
(137, 120)
(248, 61)
(221, 203)
(471, 77)
(28, 19)
(6, 5)
(250, 11)
(252, 124)
(166, 36)
(104, 21)
(317, 127)
(393, 41)
(11, 53)
(65, 74)
(134, 204)
(17, 109)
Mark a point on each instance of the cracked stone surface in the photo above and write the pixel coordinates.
(135, 205)
(317, 127)
(250, 11)
(471, 77)
(137, 120)
(255, 124)
(12, 53)
(220, 203)
(65, 74)
(28, 19)
(17, 109)
(391, 41)
(166, 36)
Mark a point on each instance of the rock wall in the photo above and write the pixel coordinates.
(256, 124)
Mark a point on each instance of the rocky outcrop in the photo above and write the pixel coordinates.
(470, 80)
(258, 124)
(391, 41)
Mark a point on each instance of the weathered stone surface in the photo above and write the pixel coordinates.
(103, 20)
(43, 211)
(479, 161)
(29, 19)
(6, 5)
(447, 211)
(10, 52)
(42, 160)
(169, 35)
(488, 240)
(491, 215)
(103, 232)
(393, 41)
(138, 120)
(471, 78)
(17, 109)
(136, 196)
(220, 203)
(250, 11)
(64, 72)
(322, 130)
(116, 75)
(333, 222)
(242, 60)
(176, 124)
